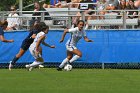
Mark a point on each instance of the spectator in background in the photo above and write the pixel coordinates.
(111, 7)
(3, 26)
(46, 13)
(101, 6)
(122, 6)
(113, 2)
(74, 3)
(62, 4)
(137, 4)
(37, 8)
(131, 6)
(13, 19)
(36, 13)
(87, 10)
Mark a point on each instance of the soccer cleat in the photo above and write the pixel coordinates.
(59, 69)
(41, 66)
(30, 68)
(10, 65)
(27, 66)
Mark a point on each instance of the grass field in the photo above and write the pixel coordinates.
(48, 80)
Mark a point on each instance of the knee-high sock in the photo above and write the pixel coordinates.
(35, 63)
(74, 58)
(14, 60)
(63, 63)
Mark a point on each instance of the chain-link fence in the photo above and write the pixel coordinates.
(83, 65)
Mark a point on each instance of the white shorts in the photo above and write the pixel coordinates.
(70, 48)
(32, 51)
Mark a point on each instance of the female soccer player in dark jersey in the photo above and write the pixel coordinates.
(27, 42)
(3, 26)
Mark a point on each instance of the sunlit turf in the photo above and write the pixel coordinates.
(48, 80)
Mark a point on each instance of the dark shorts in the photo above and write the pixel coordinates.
(1, 31)
(25, 46)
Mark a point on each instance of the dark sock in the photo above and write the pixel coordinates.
(14, 60)
(69, 62)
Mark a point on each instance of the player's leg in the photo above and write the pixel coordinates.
(66, 60)
(38, 58)
(20, 53)
(77, 53)
(36, 63)
(41, 65)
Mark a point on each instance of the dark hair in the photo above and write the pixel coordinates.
(43, 26)
(40, 26)
(3, 23)
(80, 21)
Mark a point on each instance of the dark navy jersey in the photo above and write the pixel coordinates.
(1, 31)
(28, 40)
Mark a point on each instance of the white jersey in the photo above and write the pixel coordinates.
(36, 39)
(76, 35)
(32, 47)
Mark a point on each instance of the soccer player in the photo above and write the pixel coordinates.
(3, 26)
(37, 27)
(76, 34)
(36, 50)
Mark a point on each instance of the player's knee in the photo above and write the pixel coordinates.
(40, 59)
(79, 54)
(69, 57)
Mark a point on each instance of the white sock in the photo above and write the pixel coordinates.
(63, 63)
(74, 58)
(35, 63)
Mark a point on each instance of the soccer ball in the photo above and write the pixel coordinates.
(68, 67)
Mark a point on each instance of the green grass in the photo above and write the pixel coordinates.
(76, 81)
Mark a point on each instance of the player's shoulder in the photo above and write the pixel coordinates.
(41, 33)
(74, 29)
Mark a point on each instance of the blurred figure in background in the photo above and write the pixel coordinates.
(137, 4)
(13, 19)
(101, 6)
(131, 6)
(3, 26)
(86, 8)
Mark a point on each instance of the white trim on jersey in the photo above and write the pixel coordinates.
(76, 35)
(32, 47)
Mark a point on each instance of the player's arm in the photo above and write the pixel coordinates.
(87, 40)
(44, 43)
(64, 34)
(5, 40)
(33, 36)
(38, 42)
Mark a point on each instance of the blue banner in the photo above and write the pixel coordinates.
(110, 46)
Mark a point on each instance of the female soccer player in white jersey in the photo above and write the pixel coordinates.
(76, 34)
(35, 48)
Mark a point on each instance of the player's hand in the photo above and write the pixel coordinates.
(61, 40)
(52, 46)
(90, 40)
(11, 41)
